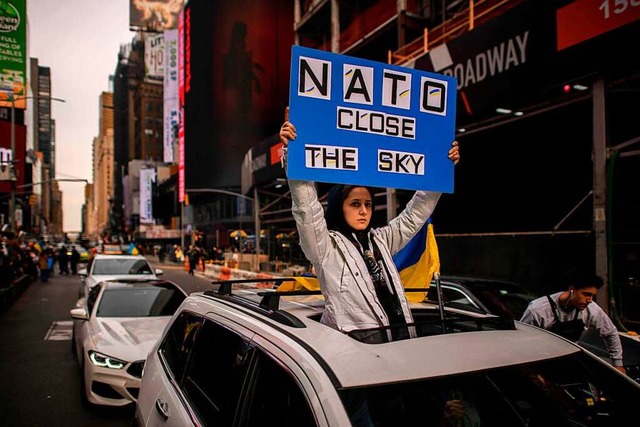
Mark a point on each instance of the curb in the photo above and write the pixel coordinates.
(11, 293)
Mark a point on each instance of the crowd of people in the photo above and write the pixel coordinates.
(34, 258)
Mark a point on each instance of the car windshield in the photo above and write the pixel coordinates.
(575, 390)
(139, 302)
(121, 266)
(502, 299)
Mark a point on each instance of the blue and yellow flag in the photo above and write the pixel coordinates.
(418, 261)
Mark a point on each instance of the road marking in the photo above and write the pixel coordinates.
(60, 330)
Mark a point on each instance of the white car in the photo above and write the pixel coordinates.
(114, 329)
(260, 358)
(114, 267)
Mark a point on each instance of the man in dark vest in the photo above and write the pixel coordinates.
(569, 313)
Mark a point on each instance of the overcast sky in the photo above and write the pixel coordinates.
(79, 40)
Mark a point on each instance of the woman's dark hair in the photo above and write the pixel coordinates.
(334, 215)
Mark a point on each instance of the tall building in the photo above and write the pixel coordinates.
(103, 161)
(89, 227)
(41, 136)
(128, 75)
(148, 124)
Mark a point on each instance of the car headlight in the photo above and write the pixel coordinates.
(104, 361)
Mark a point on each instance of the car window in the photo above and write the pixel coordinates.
(140, 301)
(117, 266)
(215, 373)
(177, 344)
(276, 398)
(568, 391)
(91, 299)
(452, 298)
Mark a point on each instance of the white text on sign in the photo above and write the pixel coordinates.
(330, 157)
(400, 162)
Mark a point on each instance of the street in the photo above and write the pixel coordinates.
(40, 383)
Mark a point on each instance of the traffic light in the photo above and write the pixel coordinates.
(32, 200)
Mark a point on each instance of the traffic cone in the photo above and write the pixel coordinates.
(186, 263)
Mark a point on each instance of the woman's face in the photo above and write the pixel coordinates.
(357, 208)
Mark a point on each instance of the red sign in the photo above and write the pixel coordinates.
(585, 19)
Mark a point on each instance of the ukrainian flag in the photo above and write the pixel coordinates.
(418, 261)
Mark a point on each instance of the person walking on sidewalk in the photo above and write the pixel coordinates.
(43, 263)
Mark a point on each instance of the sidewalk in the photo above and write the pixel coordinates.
(12, 292)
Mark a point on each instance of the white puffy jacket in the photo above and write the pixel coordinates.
(350, 297)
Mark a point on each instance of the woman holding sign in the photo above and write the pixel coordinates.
(358, 279)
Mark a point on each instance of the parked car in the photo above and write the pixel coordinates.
(258, 358)
(114, 329)
(483, 295)
(113, 267)
(509, 299)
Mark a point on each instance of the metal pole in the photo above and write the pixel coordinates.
(256, 220)
(599, 190)
(12, 200)
(182, 226)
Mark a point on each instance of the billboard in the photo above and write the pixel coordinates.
(13, 53)
(171, 106)
(154, 15)
(236, 81)
(508, 56)
(585, 19)
(366, 123)
(18, 156)
(147, 178)
(154, 56)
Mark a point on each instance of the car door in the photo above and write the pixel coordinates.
(204, 363)
(160, 401)
(287, 389)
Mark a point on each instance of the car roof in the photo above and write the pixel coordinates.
(118, 256)
(471, 280)
(417, 358)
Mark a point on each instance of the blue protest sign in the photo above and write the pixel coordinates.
(368, 123)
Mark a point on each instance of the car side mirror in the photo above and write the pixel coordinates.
(82, 272)
(79, 313)
(159, 272)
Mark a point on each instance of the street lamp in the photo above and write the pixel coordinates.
(12, 201)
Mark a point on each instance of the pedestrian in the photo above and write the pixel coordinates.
(570, 312)
(161, 253)
(74, 259)
(43, 264)
(63, 260)
(193, 259)
(353, 261)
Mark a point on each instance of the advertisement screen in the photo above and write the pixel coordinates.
(154, 15)
(236, 71)
(13, 53)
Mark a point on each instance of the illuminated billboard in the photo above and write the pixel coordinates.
(13, 53)
(236, 83)
(154, 15)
